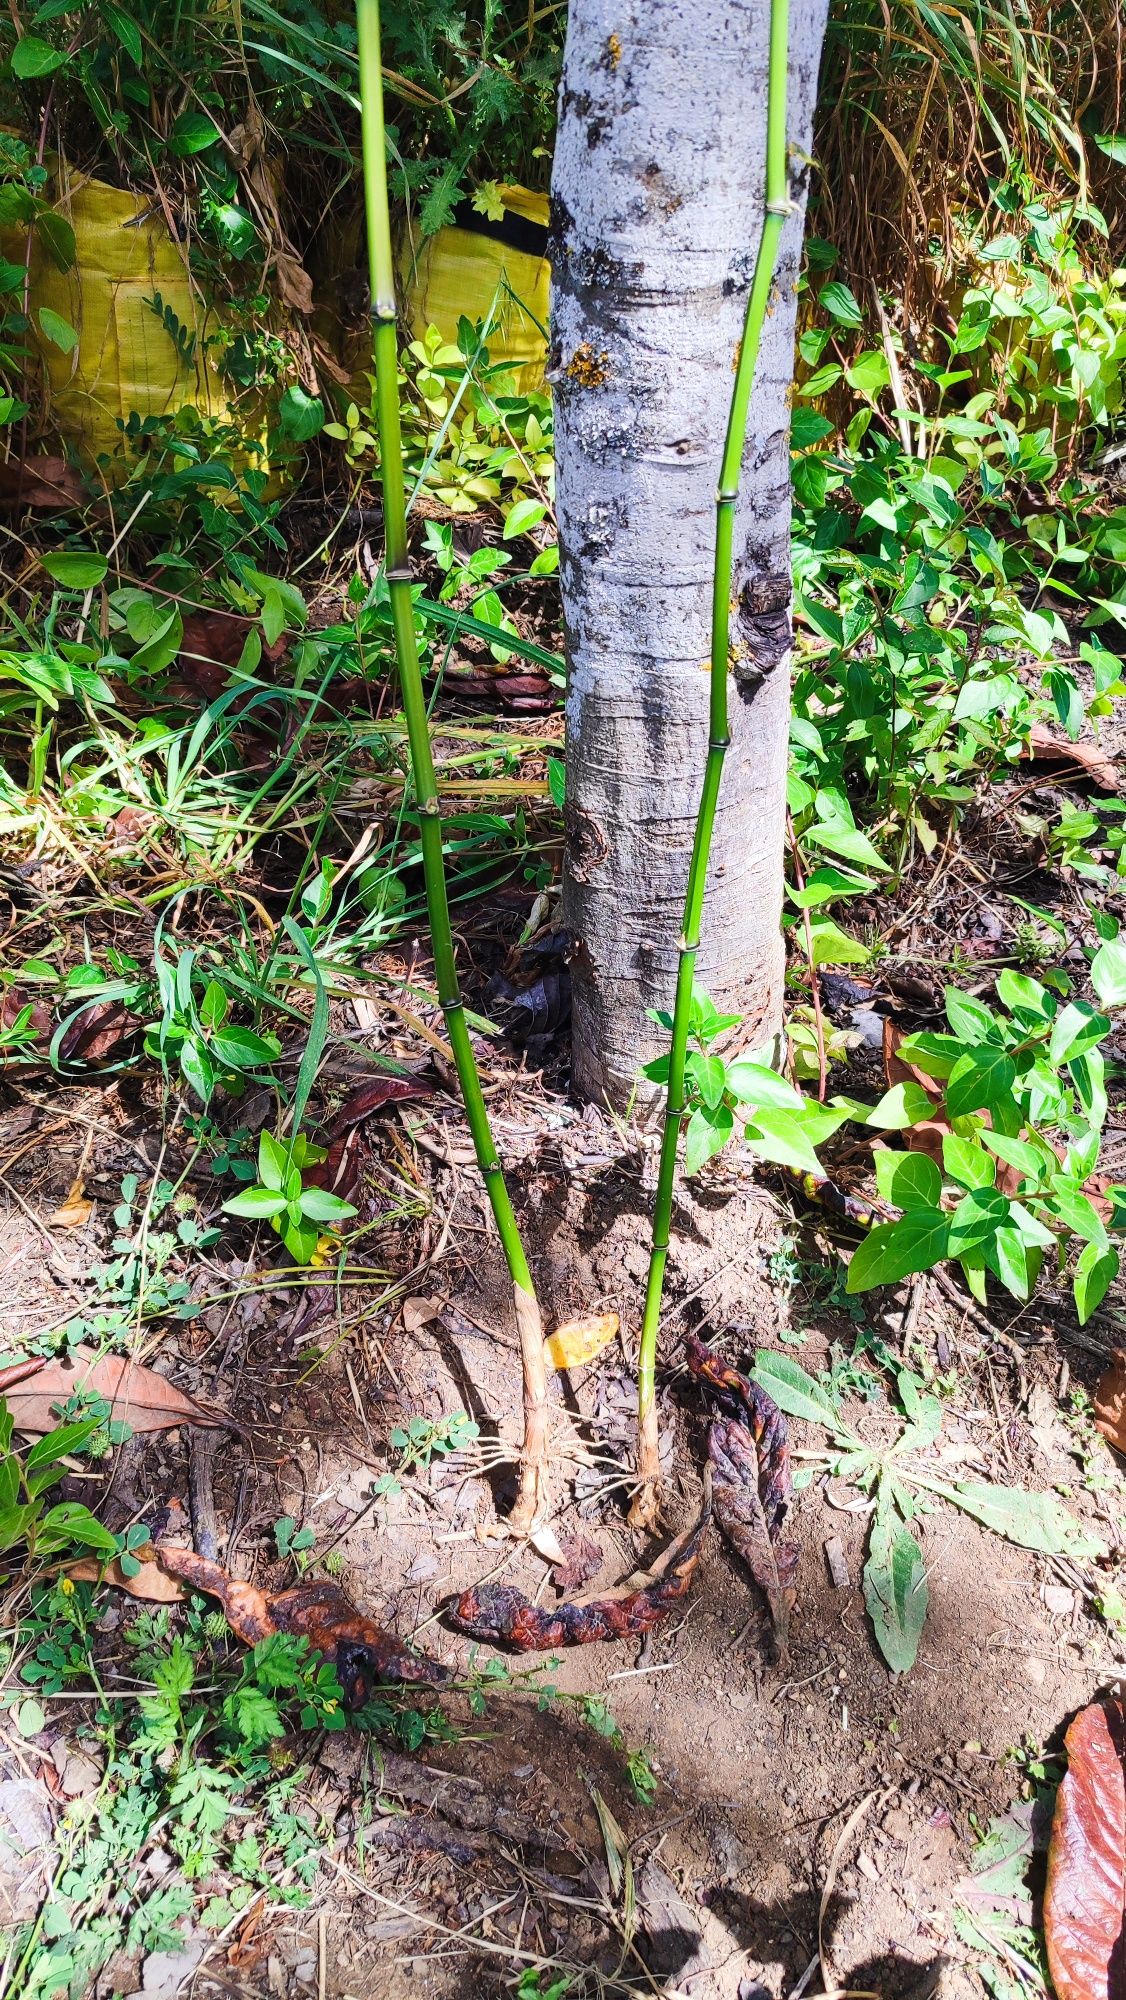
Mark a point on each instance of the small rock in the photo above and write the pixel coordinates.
(868, 1868)
(1058, 1600)
(897, 1824)
(164, 1972)
(1035, 1671)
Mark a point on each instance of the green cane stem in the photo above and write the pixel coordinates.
(399, 579)
(777, 209)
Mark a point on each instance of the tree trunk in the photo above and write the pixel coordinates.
(657, 209)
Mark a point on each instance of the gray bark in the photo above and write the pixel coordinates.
(657, 210)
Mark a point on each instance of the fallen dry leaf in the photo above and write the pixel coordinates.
(1086, 1886)
(579, 1340)
(419, 1312)
(98, 1032)
(373, 1096)
(584, 1560)
(1044, 748)
(1110, 1401)
(75, 1211)
(46, 482)
(137, 1395)
(152, 1583)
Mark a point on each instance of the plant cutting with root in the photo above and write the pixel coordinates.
(531, 1497)
(643, 1513)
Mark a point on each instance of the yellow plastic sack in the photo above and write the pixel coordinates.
(460, 272)
(125, 358)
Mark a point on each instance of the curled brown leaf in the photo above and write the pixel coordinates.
(1086, 1887)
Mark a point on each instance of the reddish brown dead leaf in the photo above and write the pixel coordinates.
(1110, 1401)
(1086, 1886)
(137, 1395)
(151, 1584)
(98, 1033)
(45, 482)
(898, 1070)
(1084, 759)
(18, 1371)
(373, 1096)
(583, 1561)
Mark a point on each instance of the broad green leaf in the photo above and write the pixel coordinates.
(904, 1104)
(30, 1717)
(1022, 995)
(1108, 973)
(33, 57)
(57, 237)
(58, 330)
(794, 1391)
(907, 1180)
(321, 1206)
(522, 516)
(300, 416)
(273, 1161)
(193, 132)
(895, 1589)
(832, 946)
(1075, 1031)
(840, 303)
(66, 1438)
(258, 1201)
(969, 1019)
(76, 569)
(1095, 1272)
(979, 1079)
(967, 1162)
(1012, 1260)
(753, 1083)
(708, 1075)
(1073, 1208)
(71, 1522)
(707, 1134)
(781, 1137)
(826, 885)
(125, 28)
(896, 1250)
(196, 1066)
(978, 1216)
(1021, 1154)
(1031, 1520)
(840, 838)
(242, 1049)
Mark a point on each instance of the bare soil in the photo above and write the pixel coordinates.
(812, 1822)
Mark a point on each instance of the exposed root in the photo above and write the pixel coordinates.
(646, 1508)
(532, 1498)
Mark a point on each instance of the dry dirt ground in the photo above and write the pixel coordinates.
(813, 1824)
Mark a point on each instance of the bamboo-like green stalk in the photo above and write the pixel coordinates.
(382, 274)
(727, 494)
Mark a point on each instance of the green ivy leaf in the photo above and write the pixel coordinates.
(708, 1133)
(896, 1250)
(979, 1079)
(907, 1180)
(33, 57)
(76, 569)
(840, 303)
(1095, 1272)
(967, 1162)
